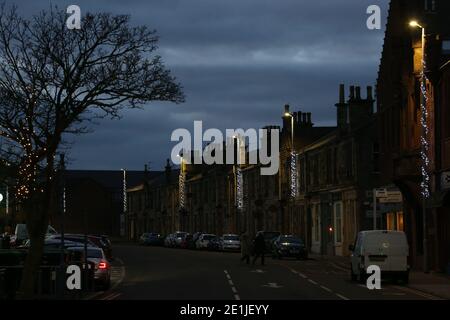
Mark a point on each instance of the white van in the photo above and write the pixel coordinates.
(387, 249)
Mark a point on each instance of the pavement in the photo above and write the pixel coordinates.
(157, 273)
(436, 284)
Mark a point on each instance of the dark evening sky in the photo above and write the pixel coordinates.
(239, 62)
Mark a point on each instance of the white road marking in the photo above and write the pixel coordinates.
(302, 275)
(272, 285)
(312, 281)
(341, 296)
(326, 289)
(233, 288)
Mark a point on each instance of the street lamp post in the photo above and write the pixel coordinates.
(425, 147)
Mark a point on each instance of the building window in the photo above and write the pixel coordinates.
(316, 222)
(394, 221)
(430, 5)
(446, 47)
(338, 222)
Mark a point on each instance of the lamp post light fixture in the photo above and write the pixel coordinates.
(424, 145)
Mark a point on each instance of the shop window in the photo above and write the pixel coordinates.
(400, 225)
(394, 221)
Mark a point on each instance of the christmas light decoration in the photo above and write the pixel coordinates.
(239, 188)
(293, 175)
(182, 188)
(425, 147)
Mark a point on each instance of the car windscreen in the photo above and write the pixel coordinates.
(232, 238)
(92, 253)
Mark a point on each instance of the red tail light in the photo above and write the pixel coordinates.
(103, 265)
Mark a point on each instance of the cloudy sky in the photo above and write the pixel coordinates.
(239, 62)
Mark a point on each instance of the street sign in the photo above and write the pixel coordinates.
(445, 180)
(380, 193)
(392, 197)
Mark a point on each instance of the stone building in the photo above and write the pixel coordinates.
(400, 128)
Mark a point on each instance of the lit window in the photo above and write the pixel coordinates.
(446, 47)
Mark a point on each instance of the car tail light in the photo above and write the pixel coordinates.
(103, 265)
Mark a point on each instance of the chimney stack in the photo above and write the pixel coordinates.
(308, 118)
(341, 93)
(358, 93)
(369, 93)
(352, 92)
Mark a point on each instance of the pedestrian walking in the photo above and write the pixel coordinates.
(259, 248)
(245, 247)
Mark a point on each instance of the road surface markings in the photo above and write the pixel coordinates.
(315, 283)
(257, 271)
(417, 292)
(326, 289)
(111, 296)
(341, 296)
(272, 285)
(231, 283)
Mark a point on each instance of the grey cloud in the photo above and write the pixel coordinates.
(239, 62)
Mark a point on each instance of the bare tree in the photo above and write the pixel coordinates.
(53, 80)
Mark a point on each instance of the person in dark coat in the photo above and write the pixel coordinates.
(259, 248)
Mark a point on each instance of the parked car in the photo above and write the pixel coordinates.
(151, 239)
(74, 238)
(102, 268)
(102, 242)
(230, 242)
(169, 241)
(179, 237)
(289, 246)
(203, 240)
(269, 237)
(214, 244)
(387, 249)
(187, 242)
